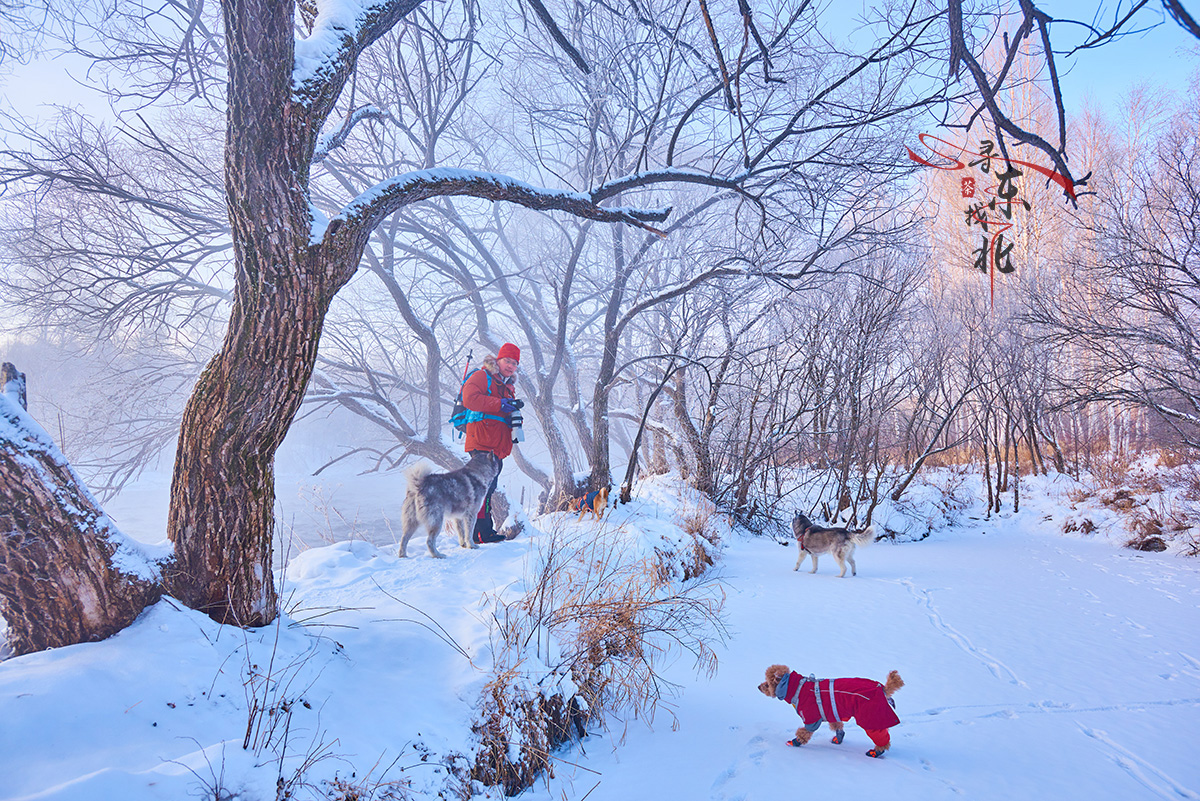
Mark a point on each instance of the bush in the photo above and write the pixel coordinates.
(597, 615)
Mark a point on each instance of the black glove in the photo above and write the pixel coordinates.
(510, 405)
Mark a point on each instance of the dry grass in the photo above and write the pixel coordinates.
(1158, 506)
(1083, 525)
(703, 539)
(594, 624)
(519, 731)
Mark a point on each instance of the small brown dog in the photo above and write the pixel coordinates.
(868, 702)
(595, 502)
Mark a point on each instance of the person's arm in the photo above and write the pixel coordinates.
(475, 396)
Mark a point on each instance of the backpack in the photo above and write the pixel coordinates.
(460, 415)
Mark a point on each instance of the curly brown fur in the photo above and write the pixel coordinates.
(803, 735)
(774, 674)
(893, 683)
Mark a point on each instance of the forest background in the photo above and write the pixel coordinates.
(746, 272)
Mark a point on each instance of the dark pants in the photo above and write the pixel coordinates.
(485, 529)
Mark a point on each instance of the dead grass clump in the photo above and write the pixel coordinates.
(338, 789)
(1152, 543)
(1191, 542)
(518, 732)
(1190, 482)
(1083, 525)
(699, 524)
(1161, 520)
(597, 621)
(692, 562)
(1122, 500)
(1079, 495)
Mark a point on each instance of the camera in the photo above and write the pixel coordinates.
(517, 421)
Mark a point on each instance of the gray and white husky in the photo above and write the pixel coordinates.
(432, 498)
(814, 540)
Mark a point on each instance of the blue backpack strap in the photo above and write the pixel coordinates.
(469, 416)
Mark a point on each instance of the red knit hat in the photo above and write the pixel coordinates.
(509, 351)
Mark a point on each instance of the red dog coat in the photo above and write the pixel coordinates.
(818, 700)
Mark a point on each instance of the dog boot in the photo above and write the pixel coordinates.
(838, 736)
(876, 752)
(794, 742)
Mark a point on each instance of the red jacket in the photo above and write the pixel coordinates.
(861, 699)
(488, 435)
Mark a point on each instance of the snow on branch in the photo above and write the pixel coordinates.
(340, 31)
(332, 140)
(366, 211)
(667, 175)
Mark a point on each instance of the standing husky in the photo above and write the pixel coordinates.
(457, 495)
(814, 540)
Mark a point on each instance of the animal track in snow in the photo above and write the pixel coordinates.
(997, 668)
(1140, 770)
(756, 749)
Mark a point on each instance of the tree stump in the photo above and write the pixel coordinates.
(67, 575)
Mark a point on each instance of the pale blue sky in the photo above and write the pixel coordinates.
(1165, 56)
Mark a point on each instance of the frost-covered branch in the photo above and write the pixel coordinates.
(370, 208)
(334, 139)
(342, 29)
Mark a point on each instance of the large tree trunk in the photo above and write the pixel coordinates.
(66, 574)
(223, 489)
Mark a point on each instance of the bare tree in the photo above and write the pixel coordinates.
(1129, 304)
(1033, 24)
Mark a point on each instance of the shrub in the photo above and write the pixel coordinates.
(597, 615)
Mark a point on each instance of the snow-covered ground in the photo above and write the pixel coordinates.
(1037, 665)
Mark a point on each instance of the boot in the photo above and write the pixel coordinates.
(484, 531)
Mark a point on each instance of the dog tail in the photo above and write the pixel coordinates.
(893, 683)
(864, 537)
(417, 472)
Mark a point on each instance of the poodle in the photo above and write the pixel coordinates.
(868, 702)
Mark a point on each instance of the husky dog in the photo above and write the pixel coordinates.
(458, 495)
(814, 540)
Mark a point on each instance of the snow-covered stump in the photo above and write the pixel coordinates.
(67, 575)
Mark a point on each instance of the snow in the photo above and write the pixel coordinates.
(337, 24)
(1037, 664)
(32, 447)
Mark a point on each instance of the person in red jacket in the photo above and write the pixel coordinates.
(834, 701)
(490, 392)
